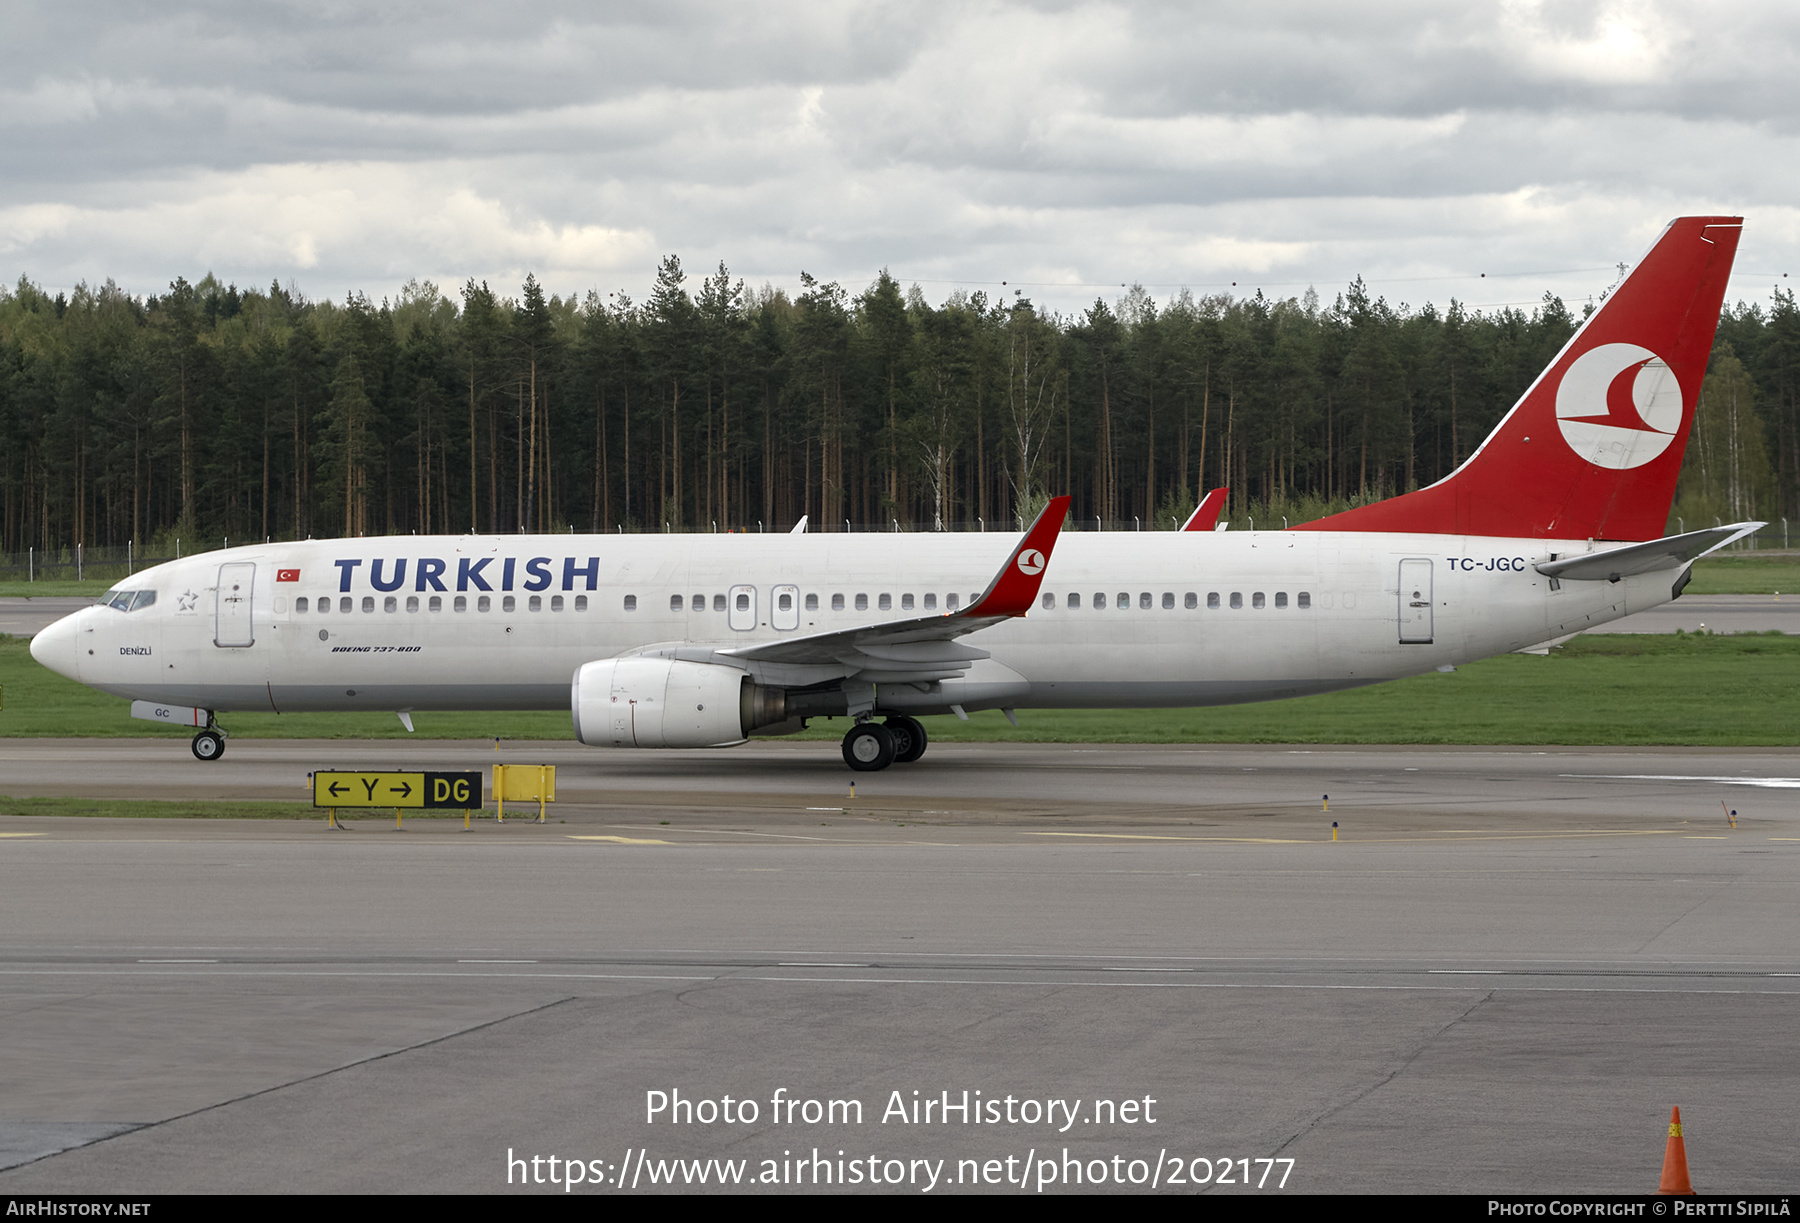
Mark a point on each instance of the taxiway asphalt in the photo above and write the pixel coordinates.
(1499, 978)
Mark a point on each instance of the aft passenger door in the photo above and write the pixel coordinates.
(1415, 602)
(232, 624)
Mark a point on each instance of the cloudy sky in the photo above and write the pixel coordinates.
(1064, 148)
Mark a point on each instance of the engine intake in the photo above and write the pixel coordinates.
(662, 702)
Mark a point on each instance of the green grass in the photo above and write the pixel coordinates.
(1621, 689)
(203, 809)
(159, 810)
(1749, 574)
(60, 590)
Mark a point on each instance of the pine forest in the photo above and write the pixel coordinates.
(220, 414)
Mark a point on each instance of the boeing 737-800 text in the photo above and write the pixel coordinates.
(1553, 526)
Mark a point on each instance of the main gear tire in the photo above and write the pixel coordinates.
(909, 738)
(869, 747)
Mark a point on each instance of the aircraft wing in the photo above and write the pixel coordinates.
(920, 649)
(1669, 553)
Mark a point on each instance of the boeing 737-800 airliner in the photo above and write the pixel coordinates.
(1553, 526)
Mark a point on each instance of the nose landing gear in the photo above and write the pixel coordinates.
(209, 744)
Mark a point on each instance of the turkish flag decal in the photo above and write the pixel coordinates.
(287, 575)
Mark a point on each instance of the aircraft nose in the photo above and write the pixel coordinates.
(55, 646)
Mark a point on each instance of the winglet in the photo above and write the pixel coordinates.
(1015, 588)
(1206, 515)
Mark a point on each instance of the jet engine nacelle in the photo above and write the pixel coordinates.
(662, 702)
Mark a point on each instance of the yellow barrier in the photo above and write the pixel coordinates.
(524, 783)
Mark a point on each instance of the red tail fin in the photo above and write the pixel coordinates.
(1593, 448)
(1206, 515)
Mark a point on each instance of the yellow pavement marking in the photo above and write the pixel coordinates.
(621, 840)
(1128, 836)
(38, 834)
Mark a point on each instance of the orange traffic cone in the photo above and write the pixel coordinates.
(1675, 1173)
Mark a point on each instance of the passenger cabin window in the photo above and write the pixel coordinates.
(536, 604)
(812, 602)
(885, 602)
(784, 601)
(906, 602)
(1305, 598)
(718, 602)
(436, 604)
(1124, 601)
(1144, 601)
(1049, 602)
(837, 602)
(1212, 599)
(1281, 598)
(324, 605)
(1256, 600)
(1168, 600)
(862, 602)
(930, 602)
(743, 601)
(412, 603)
(556, 603)
(949, 602)
(1190, 600)
(483, 603)
(630, 602)
(345, 604)
(390, 604)
(300, 605)
(461, 604)
(1237, 600)
(1074, 599)
(580, 602)
(674, 602)
(508, 603)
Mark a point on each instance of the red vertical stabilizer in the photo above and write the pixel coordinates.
(1206, 515)
(1593, 448)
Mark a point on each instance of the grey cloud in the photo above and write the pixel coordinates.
(356, 145)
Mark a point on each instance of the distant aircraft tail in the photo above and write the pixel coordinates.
(1206, 515)
(1592, 449)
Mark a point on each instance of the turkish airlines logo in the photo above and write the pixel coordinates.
(1031, 562)
(1619, 406)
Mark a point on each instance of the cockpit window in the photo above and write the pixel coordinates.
(128, 600)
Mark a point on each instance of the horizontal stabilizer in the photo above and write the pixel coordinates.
(1671, 552)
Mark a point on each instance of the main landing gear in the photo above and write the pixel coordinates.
(209, 744)
(872, 746)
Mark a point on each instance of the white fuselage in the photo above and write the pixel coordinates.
(1157, 618)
